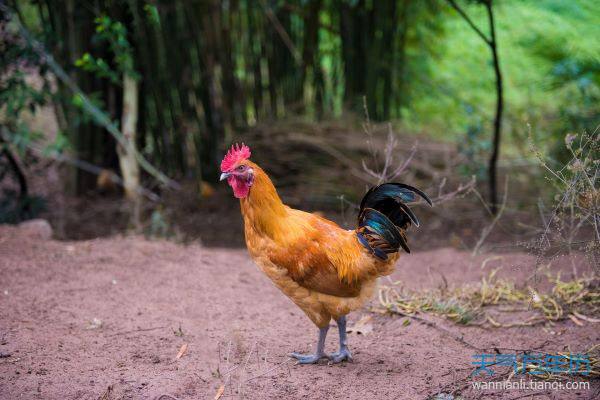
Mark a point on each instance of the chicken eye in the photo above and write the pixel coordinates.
(241, 168)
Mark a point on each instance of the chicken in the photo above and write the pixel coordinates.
(325, 270)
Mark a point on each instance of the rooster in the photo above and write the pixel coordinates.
(325, 270)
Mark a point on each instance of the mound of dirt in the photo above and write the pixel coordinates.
(130, 318)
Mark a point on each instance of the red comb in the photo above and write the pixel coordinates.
(236, 154)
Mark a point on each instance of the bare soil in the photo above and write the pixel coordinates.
(107, 318)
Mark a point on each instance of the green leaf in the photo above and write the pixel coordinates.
(152, 14)
(77, 101)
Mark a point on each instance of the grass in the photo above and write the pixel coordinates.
(577, 299)
(593, 354)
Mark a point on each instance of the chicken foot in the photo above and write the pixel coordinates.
(319, 354)
(344, 352)
(342, 355)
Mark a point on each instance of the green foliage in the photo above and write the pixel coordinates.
(580, 83)
(58, 146)
(88, 63)
(152, 14)
(114, 34)
(22, 137)
(19, 96)
(212, 69)
(548, 49)
(24, 88)
(83, 116)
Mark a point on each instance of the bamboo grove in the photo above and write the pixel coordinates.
(207, 69)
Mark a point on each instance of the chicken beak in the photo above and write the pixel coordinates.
(224, 176)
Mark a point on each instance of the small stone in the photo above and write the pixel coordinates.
(95, 323)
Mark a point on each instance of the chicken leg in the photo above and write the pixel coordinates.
(319, 354)
(344, 352)
(342, 355)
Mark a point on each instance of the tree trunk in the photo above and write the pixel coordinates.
(130, 169)
(493, 45)
(493, 164)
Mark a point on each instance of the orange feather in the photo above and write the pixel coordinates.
(320, 266)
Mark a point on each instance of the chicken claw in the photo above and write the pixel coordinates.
(342, 355)
(320, 353)
(308, 358)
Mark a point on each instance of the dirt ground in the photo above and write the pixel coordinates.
(107, 319)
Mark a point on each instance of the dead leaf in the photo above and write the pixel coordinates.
(220, 392)
(362, 327)
(182, 351)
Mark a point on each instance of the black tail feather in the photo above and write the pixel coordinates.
(382, 236)
(399, 191)
(384, 217)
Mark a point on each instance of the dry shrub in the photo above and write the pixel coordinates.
(577, 299)
(573, 222)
